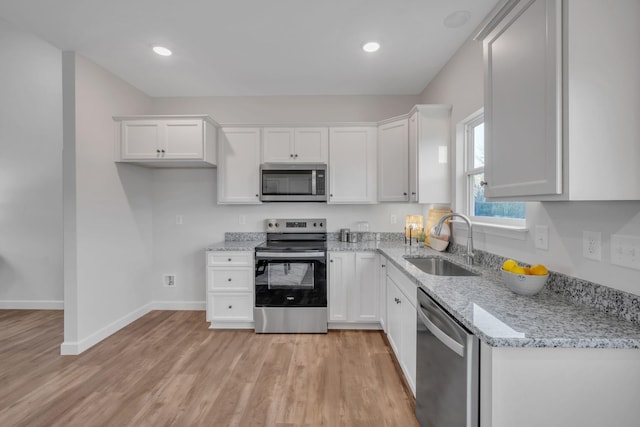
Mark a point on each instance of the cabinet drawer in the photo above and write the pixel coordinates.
(235, 259)
(230, 307)
(408, 287)
(229, 279)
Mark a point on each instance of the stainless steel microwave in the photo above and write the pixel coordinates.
(293, 182)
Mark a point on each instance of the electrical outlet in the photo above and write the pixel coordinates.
(542, 237)
(242, 219)
(625, 251)
(179, 219)
(169, 280)
(592, 245)
(393, 219)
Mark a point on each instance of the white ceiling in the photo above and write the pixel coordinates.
(256, 47)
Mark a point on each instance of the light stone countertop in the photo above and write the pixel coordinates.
(496, 315)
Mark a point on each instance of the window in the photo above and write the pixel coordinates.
(505, 213)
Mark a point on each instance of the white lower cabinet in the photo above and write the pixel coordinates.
(586, 387)
(230, 289)
(401, 322)
(353, 289)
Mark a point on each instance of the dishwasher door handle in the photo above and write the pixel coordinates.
(438, 333)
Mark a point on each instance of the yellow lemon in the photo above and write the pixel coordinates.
(527, 270)
(539, 270)
(509, 264)
(518, 270)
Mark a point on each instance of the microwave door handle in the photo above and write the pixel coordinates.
(313, 183)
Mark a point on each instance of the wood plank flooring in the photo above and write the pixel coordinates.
(168, 369)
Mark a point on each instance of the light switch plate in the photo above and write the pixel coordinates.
(625, 251)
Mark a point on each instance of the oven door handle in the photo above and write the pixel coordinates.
(291, 255)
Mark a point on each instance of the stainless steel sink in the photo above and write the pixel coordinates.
(440, 267)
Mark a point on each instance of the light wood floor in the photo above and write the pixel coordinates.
(167, 368)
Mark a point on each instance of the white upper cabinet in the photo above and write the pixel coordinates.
(352, 164)
(393, 161)
(561, 101)
(239, 169)
(429, 154)
(166, 141)
(301, 145)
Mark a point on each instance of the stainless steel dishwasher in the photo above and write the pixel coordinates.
(447, 369)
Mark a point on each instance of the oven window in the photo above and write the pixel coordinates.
(290, 275)
(286, 182)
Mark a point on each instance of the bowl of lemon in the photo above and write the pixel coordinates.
(524, 280)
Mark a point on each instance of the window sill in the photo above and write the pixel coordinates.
(508, 231)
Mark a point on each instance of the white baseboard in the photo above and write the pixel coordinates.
(31, 305)
(179, 305)
(77, 347)
(346, 325)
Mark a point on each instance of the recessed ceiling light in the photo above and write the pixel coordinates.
(457, 19)
(370, 47)
(162, 51)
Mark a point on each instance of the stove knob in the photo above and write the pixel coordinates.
(320, 224)
(270, 225)
(315, 224)
(277, 225)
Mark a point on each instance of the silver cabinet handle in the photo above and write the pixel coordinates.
(229, 260)
(229, 279)
(230, 306)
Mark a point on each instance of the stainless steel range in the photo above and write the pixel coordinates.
(291, 277)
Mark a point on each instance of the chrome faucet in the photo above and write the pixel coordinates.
(438, 229)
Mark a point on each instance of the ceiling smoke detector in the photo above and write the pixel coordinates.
(457, 19)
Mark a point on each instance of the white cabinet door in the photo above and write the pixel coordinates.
(393, 161)
(183, 139)
(277, 145)
(394, 317)
(311, 145)
(341, 276)
(239, 165)
(429, 154)
(304, 144)
(352, 165)
(409, 327)
(141, 139)
(523, 102)
(402, 325)
(363, 298)
(382, 291)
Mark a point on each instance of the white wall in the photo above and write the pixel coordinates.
(460, 83)
(30, 171)
(108, 248)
